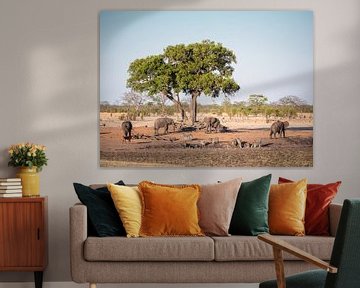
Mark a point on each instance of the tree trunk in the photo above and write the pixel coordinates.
(180, 108)
(178, 105)
(193, 108)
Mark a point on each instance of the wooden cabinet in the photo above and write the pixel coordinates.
(23, 235)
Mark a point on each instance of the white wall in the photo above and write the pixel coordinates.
(49, 95)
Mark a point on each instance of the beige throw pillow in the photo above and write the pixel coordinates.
(216, 206)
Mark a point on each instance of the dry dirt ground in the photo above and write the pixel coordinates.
(188, 147)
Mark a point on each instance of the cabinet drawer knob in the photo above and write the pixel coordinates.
(38, 234)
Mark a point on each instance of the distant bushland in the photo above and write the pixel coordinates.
(237, 109)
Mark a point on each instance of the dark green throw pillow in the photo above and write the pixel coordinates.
(250, 216)
(103, 218)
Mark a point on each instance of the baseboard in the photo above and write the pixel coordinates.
(74, 285)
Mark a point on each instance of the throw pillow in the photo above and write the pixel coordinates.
(102, 215)
(127, 201)
(216, 206)
(318, 200)
(169, 210)
(250, 215)
(287, 204)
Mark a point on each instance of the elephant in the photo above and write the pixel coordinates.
(278, 127)
(126, 127)
(163, 123)
(213, 122)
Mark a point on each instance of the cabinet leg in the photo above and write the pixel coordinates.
(38, 279)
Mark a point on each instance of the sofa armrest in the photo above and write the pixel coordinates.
(334, 217)
(78, 235)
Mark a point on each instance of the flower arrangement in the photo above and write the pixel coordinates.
(27, 155)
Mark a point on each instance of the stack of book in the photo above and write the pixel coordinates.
(10, 187)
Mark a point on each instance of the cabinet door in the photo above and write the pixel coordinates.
(21, 234)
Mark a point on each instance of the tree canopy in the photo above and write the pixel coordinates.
(257, 100)
(292, 101)
(193, 69)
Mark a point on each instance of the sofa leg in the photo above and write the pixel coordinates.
(92, 285)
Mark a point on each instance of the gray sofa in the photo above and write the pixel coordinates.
(234, 259)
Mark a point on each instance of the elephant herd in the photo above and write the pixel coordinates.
(211, 124)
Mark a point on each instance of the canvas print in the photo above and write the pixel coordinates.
(206, 89)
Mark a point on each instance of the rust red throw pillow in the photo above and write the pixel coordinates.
(319, 197)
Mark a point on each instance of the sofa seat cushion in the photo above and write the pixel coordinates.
(149, 249)
(243, 248)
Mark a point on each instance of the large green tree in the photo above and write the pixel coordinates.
(194, 69)
(153, 75)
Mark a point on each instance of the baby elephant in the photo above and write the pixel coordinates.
(163, 123)
(213, 122)
(278, 127)
(126, 127)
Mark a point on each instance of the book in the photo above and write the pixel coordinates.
(9, 183)
(10, 191)
(10, 180)
(10, 187)
(4, 195)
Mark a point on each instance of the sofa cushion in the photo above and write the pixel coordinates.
(250, 215)
(127, 201)
(318, 199)
(245, 248)
(169, 210)
(102, 216)
(287, 204)
(216, 206)
(149, 249)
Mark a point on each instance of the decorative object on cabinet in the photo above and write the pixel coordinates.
(10, 187)
(30, 158)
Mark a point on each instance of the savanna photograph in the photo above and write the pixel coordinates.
(206, 89)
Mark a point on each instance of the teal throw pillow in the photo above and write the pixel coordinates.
(250, 216)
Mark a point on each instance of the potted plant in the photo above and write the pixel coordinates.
(30, 158)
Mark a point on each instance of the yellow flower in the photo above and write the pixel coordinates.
(41, 147)
(28, 153)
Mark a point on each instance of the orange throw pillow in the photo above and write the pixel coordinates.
(318, 200)
(287, 204)
(169, 210)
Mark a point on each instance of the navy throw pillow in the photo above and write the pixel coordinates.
(103, 218)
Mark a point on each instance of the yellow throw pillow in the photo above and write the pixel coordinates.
(287, 204)
(169, 210)
(127, 201)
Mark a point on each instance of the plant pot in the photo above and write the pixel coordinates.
(30, 181)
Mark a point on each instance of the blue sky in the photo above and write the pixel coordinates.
(274, 49)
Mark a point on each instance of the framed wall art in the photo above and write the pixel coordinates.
(206, 89)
